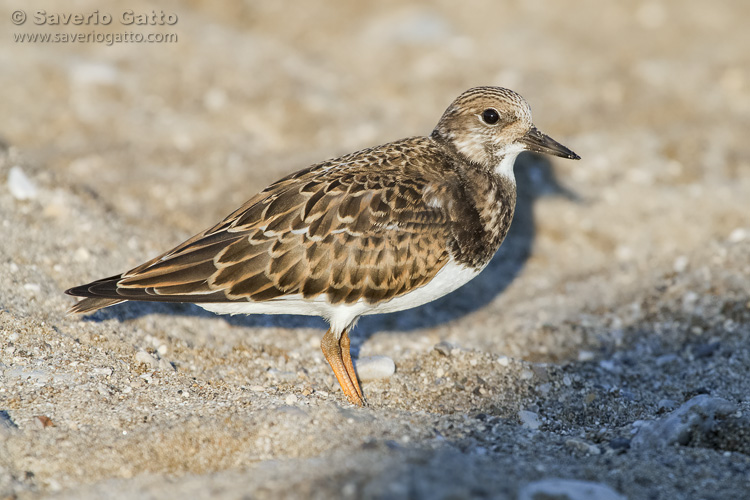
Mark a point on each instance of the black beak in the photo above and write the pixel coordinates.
(540, 143)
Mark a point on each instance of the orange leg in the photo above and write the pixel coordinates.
(336, 352)
(345, 344)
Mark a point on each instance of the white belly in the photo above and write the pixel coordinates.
(449, 278)
(342, 316)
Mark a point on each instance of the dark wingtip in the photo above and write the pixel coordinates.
(93, 301)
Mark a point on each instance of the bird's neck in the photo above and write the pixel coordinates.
(491, 200)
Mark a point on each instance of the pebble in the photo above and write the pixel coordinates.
(609, 365)
(443, 348)
(20, 186)
(215, 99)
(375, 367)
(666, 405)
(680, 264)
(503, 361)
(146, 359)
(529, 419)
(567, 489)
(166, 366)
(585, 356)
(282, 375)
(619, 443)
(87, 73)
(582, 446)
(290, 399)
(697, 415)
(706, 350)
(739, 234)
(42, 421)
(81, 254)
(666, 359)
(106, 372)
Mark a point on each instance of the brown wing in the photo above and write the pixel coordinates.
(371, 225)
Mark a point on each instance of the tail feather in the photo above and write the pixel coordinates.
(89, 304)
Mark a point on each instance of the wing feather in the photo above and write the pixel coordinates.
(363, 227)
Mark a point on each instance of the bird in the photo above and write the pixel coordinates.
(383, 229)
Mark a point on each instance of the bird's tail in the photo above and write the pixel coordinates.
(90, 304)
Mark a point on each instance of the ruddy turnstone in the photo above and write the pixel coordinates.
(380, 230)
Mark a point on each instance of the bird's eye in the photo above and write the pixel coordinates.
(490, 116)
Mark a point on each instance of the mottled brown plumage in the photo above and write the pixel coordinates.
(358, 234)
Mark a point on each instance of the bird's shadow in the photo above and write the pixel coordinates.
(535, 178)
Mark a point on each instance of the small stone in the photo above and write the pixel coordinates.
(282, 375)
(680, 264)
(443, 348)
(583, 446)
(106, 371)
(349, 490)
(619, 443)
(290, 399)
(609, 365)
(503, 361)
(529, 419)
(585, 356)
(20, 186)
(81, 254)
(166, 366)
(697, 416)
(146, 359)
(44, 421)
(666, 359)
(90, 73)
(739, 234)
(215, 99)
(375, 367)
(567, 489)
(665, 405)
(706, 350)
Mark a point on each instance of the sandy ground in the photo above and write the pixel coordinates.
(606, 343)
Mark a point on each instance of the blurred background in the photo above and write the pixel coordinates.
(170, 137)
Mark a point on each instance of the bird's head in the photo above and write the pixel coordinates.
(490, 126)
